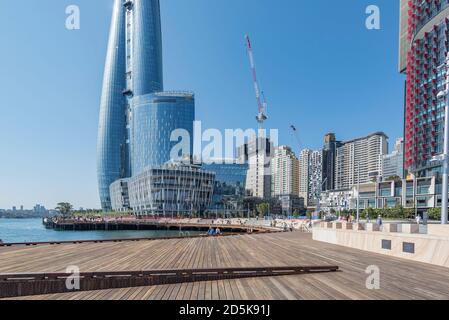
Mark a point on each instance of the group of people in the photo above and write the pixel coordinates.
(213, 231)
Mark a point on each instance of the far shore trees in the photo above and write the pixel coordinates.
(64, 208)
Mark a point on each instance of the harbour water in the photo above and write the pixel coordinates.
(32, 230)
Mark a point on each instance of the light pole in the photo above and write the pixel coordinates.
(445, 156)
(318, 197)
(358, 191)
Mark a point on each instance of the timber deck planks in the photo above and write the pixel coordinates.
(400, 279)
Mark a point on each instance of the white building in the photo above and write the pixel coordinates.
(418, 194)
(360, 160)
(174, 189)
(393, 163)
(120, 195)
(284, 172)
(310, 176)
(257, 153)
(304, 174)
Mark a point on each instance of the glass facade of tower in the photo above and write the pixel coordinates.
(133, 70)
(145, 53)
(229, 183)
(111, 145)
(172, 189)
(155, 117)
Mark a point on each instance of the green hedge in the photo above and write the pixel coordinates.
(389, 213)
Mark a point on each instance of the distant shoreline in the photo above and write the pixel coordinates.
(22, 217)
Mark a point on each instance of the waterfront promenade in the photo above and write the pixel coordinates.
(226, 225)
(400, 279)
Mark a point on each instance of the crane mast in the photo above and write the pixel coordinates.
(261, 116)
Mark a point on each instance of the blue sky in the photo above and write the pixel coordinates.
(320, 68)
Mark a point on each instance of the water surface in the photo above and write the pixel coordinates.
(32, 230)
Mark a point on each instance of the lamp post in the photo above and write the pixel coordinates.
(444, 94)
(358, 191)
(444, 188)
(318, 198)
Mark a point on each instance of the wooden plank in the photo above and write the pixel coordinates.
(427, 282)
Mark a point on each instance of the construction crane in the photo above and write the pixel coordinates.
(262, 106)
(296, 134)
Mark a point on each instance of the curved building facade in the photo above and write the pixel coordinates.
(133, 69)
(111, 145)
(155, 117)
(136, 117)
(172, 189)
(146, 50)
(427, 24)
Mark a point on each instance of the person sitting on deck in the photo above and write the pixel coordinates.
(211, 231)
(217, 231)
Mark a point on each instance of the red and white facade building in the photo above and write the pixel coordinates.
(424, 46)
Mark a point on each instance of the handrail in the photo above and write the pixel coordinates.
(27, 284)
(11, 244)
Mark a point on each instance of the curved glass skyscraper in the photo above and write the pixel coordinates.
(111, 145)
(136, 117)
(144, 41)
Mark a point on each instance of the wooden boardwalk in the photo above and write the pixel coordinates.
(400, 279)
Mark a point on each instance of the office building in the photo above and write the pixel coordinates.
(291, 204)
(174, 189)
(229, 186)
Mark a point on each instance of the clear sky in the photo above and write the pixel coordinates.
(320, 68)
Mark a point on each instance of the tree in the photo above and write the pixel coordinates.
(64, 208)
(262, 208)
(434, 213)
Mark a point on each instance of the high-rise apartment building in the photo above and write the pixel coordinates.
(303, 185)
(329, 156)
(315, 177)
(257, 153)
(310, 176)
(393, 163)
(360, 160)
(424, 45)
(136, 117)
(284, 172)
